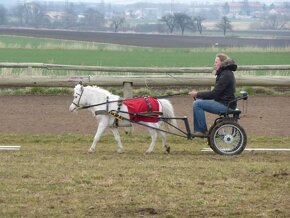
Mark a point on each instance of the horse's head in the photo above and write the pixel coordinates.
(78, 100)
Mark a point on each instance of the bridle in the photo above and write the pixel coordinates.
(89, 106)
(79, 99)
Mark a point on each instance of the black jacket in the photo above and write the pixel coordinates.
(225, 85)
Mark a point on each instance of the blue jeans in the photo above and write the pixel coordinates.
(199, 107)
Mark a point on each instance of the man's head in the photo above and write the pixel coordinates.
(219, 59)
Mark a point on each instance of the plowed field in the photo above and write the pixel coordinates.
(149, 40)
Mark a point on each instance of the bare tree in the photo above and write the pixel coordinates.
(33, 14)
(277, 20)
(117, 22)
(273, 20)
(224, 25)
(183, 21)
(169, 20)
(198, 20)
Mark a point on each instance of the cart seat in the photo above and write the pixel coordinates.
(236, 113)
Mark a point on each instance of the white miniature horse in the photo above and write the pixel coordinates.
(101, 102)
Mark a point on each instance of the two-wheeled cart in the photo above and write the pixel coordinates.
(225, 136)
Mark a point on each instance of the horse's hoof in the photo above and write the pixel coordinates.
(148, 152)
(90, 151)
(167, 149)
(120, 151)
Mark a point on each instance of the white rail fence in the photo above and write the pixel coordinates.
(159, 77)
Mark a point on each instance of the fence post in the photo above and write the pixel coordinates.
(29, 71)
(127, 89)
(128, 93)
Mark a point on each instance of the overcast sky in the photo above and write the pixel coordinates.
(162, 1)
(13, 2)
(181, 1)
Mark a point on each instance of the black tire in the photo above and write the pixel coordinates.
(208, 138)
(228, 138)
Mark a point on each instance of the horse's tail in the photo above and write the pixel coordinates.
(168, 111)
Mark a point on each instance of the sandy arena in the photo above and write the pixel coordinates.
(266, 116)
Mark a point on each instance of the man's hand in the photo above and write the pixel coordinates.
(193, 93)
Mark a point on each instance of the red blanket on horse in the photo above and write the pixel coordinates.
(137, 107)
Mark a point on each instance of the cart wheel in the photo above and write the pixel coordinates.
(228, 138)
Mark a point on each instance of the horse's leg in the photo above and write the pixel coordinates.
(164, 142)
(117, 137)
(153, 134)
(101, 128)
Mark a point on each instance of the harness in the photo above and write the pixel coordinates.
(116, 113)
(147, 114)
(98, 112)
(135, 117)
(113, 113)
(148, 104)
(139, 109)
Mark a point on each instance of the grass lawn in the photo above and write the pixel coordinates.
(53, 176)
(24, 49)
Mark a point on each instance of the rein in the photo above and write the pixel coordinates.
(171, 95)
(94, 105)
(108, 102)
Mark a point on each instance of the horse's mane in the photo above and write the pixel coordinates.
(99, 89)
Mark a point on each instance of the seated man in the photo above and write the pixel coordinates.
(216, 100)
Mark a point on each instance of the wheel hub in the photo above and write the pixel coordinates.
(228, 139)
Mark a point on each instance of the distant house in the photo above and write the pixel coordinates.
(238, 8)
(54, 16)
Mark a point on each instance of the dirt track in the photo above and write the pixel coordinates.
(49, 114)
